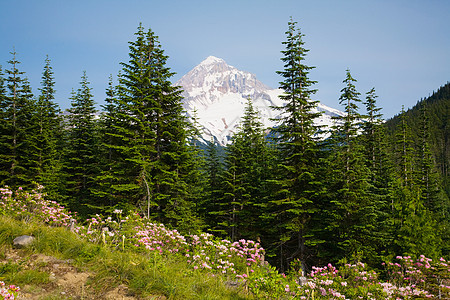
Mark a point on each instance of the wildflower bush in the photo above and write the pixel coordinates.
(28, 206)
(241, 261)
(421, 277)
(203, 251)
(355, 281)
(8, 292)
(208, 252)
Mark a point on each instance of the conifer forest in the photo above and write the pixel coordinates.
(365, 190)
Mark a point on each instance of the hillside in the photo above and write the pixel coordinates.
(105, 258)
(136, 259)
(438, 110)
(60, 265)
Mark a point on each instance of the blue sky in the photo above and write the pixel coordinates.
(402, 48)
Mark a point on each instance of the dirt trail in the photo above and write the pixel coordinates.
(65, 280)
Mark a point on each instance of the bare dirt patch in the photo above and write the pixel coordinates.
(65, 281)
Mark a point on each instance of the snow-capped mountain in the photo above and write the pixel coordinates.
(218, 93)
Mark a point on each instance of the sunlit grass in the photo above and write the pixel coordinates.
(28, 277)
(146, 275)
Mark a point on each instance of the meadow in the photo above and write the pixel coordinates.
(155, 261)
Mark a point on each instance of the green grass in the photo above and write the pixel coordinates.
(28, 277)
(147, 276)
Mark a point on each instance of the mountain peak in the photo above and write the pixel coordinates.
(218, 93)
(210, 60)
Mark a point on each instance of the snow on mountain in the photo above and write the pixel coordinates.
(218, 93)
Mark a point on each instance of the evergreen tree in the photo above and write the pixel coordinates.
(352, 216)
(82, 148)
(153, 165)
(196, 172)
(347, 128)
(416, 231)
(380, 181)
(108, 151)
(46, 152)
(234, 196)
(404, 152)
(244, 180)
(376, 147)
(371, 129)
(4, 131)
(296, 133)
(425, 172)
(17, 108)
(214, 168)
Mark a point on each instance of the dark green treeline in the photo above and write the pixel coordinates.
(363, 190)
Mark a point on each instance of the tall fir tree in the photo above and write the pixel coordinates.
(296, 132)
(214, 168)
(4, 131)
(351, 216)
(426, 174)
(108, 151)
(375, 146)
(17, 108)
(196, 167)
(82, 149)
(244, 182)
(371, 127)
(379, 205)
(153, 165)
(404, 152)
(47, 151)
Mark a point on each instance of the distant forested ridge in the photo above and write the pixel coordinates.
(437, 108)
(370, 191)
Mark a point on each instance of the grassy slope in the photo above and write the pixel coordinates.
(57, 256)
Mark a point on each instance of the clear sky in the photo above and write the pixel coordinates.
(400, 47)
